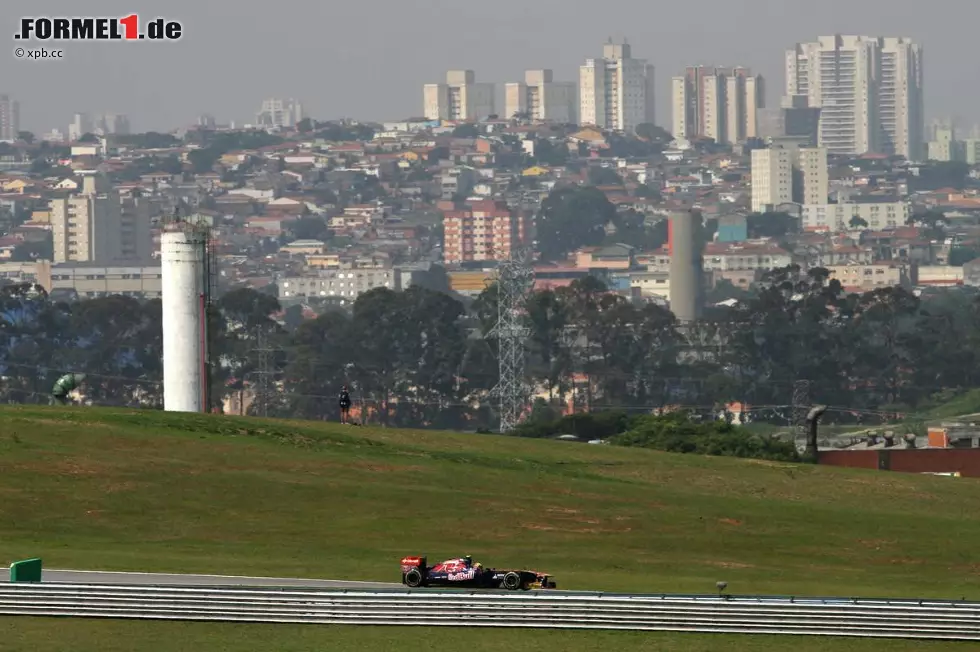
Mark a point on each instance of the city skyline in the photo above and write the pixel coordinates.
(382, 80)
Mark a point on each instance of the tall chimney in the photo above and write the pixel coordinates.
(685, 266)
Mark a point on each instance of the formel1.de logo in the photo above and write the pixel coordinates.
(126, 28)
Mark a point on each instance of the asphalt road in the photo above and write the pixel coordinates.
(105, 577)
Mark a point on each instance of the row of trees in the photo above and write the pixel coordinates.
(423, 358)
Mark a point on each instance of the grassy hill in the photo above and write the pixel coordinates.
(133, 490)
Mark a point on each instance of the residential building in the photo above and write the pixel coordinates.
(869, 90)
(343, 284)
(788, 173)
(732, 228)
(944, 146)
(9, 118)
(483, 230)
(864, 278)
(772, 178)
(876, 216)
(617, 91)
(971, 151)
(813, 177)
(95, 226)
(901, 100)
(279, 113)
(111, 123)
(460, 99)
(90, 280)
(717, 103)
(744, 256)
(542, 98)
(792, 119)
(81, 124)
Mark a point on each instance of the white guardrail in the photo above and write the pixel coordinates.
(676, 613)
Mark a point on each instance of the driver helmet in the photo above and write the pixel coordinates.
(468, 561)
(478, 566)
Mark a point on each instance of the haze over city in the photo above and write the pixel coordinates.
(368, 60)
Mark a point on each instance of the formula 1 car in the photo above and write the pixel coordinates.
(462, 572)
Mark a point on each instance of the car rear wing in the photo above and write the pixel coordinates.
(408, 563)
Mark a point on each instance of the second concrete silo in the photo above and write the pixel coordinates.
(685, 265)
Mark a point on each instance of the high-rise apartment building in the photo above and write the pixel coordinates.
(788, 174)
(279, 113)
(540, 97)
(869, 91)
(901, 102)
(9, 118)
(483, 230)
(717, 103)
(616, 91)
(93, 226)
(81, 124)
(461, 98)
(772, 178)
(813, 177)
(112, 123)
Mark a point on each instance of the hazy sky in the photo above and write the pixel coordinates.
(369, 58)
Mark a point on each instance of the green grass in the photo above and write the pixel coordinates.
(967, 403)
(41, 635)
(131, 490)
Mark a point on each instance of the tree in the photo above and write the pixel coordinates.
(309, 228)
(858, 223)
(653, 133)
(31, 251)
(88, 137)
(148, 140)
(305, 126)
(466, 131)
(26, 136)
(603, 176)
(571, 218)
(203, 160)
(959, 256)
(320, 351)
(117, 343)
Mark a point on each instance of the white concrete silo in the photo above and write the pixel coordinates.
(685, 266)
(183, 254)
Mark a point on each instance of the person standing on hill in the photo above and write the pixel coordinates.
(344, 405)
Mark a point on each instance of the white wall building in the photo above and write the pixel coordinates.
(9, 118)
(869, 90)
(616, 91)
(789, 174)
(93, 226)
(542, 98)
(814, 175)
(772, 178)
(461, 98)
(837, 217)
(341, 284)
(278, 113)
(717, 103)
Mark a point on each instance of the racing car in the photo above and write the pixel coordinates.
(462, 572)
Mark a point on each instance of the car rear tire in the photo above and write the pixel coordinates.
(413, 578)
(512, 581)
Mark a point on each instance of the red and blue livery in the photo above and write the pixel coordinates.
(464, 573)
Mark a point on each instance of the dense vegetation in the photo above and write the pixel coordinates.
(422, 358)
